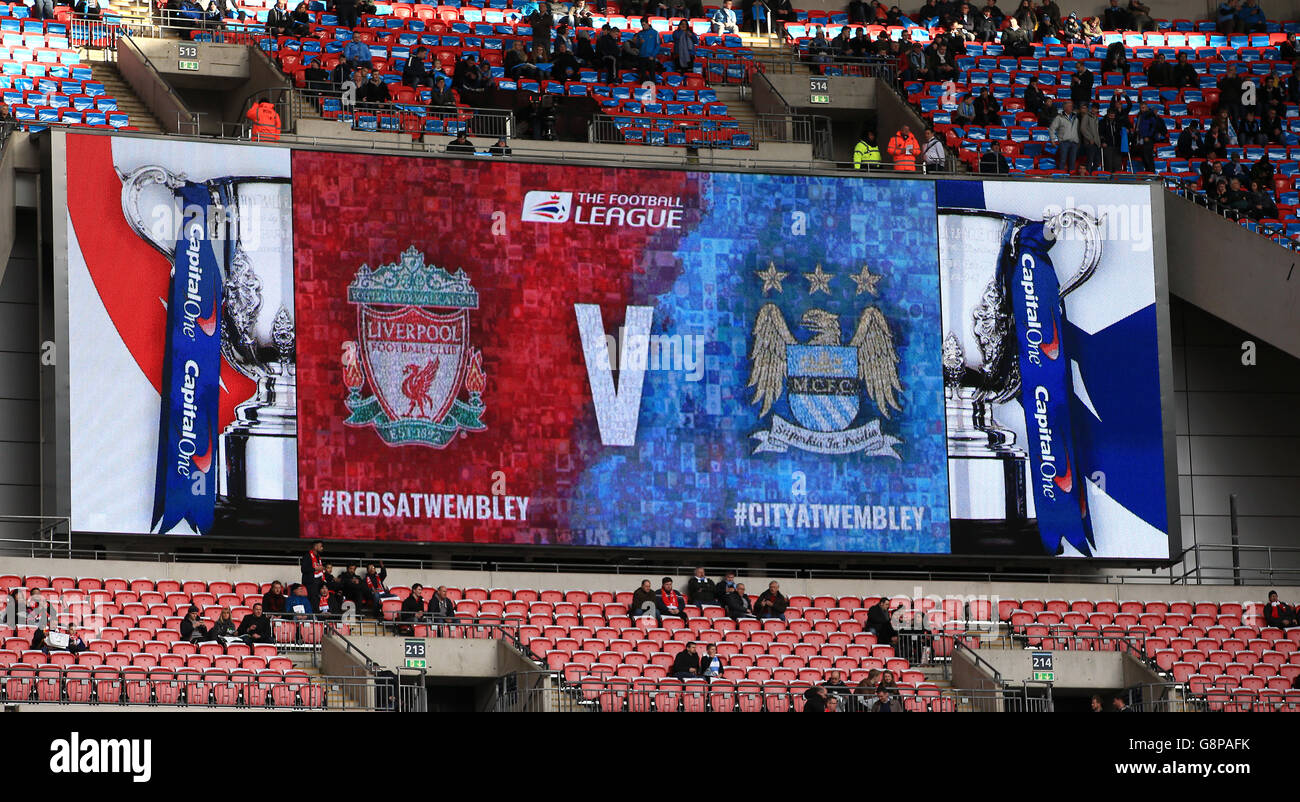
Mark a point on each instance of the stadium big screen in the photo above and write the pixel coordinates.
(356, 346)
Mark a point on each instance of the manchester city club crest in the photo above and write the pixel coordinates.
(823, 378)
(413, 353)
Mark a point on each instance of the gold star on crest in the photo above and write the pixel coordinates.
(771, 277)
(866, 281)
(819, 281)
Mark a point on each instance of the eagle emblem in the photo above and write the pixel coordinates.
(414, 352)
(824, 379)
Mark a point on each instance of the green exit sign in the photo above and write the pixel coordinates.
(1044, 676)
(189, 65)
(821, 98)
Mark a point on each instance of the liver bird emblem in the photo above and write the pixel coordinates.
(415, 386)
(877, 359)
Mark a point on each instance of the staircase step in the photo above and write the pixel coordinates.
(114, 85)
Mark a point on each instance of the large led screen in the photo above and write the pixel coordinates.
(283, 343)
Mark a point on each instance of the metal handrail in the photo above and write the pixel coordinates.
(960, 647)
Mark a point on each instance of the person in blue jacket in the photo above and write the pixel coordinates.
(647, 48)
(1250, 17)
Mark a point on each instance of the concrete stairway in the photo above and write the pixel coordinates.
(106, 73)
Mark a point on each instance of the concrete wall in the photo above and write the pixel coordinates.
(1081, 670)
(152, 89)
(1238, 432)
(20, 383)
(448, 658)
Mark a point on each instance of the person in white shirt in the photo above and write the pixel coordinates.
(724, 19)
(932, 152)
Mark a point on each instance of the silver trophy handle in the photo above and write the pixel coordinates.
(1090, 227)
(134, 185)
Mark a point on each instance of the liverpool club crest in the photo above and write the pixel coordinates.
(823, 378)
(414, 354)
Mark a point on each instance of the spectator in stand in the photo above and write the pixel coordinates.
(1149, 131)
(1122, 105)
(255, 627)
(1225, 21)
(213, 18)
(1049, 21)
(1141, 16)
(461, 144)
(351, 588)
(87, 9)
(579, 15)
(965, 113)
(56, 639)
(643, 601)
(1116, 58)
(1227, 128)
(416, 73)
(312, 567)
(986, 27)
(1116, 18)
(700, 589)
(1289, 50)
(880, 623)
(1092, 29)
(442, 610)
(1251, 132)
(564, 67)
(815, 700)
(608, 49)
(886, 701)
(1015, 40)
(1111, 130)
(1026, 17)
(994, 163)
(903, 149)
(987, 108)
(38, 612)
(724, 19)
(668, 601)
(298, 602)
(1183, 74)
(328, 602)
(442, 95)
(346, 11)
(687, 664)
(356, 53)
(834, 682)
(1237, 200)
(413, 610)
(1095, 704)
(192, 628)
(737, 603)
(223, 629)
(1158, 72)
(375, 92)
(648, 49)
(500, 148)
(684, 42)
(299, 20)
(1259, 201)
(469, 79)
(1036, 101)
(1065, 133)
(1190, 142)
(1230, 93)
(1250, 18)
(1212, 174)
(1273, 127)
(1279, 614)
(1081, 81)
(832, 704)
(940, 65)
(711, 665)
(541, 21)
(41, 9)
(933, 155)
(376, 590)
(277, 18)
(771, 602)
(783, 11)
(273, 599)
(1072, 30)
(1118, 704)
(1089, 137)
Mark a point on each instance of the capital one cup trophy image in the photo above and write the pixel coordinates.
(249, 224)
(984, 257)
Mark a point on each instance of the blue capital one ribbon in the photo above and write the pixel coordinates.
(1056, 480)
(185, 488)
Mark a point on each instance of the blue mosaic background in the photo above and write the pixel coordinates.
(692, 464)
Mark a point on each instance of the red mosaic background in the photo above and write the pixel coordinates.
(351, 210)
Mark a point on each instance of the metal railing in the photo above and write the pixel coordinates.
(1065, 638)
(210, 688)
(307, 629)
(1235, 573)
(548, 692)
(797, 64)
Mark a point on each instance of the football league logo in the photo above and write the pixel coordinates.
(547, 207)
(823, 378)
(413, 352)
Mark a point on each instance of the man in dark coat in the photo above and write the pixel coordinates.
(737, 603)
(700, 589)
(879, 621)
(312, 568)
(413, 610)
(669, 601)
(771, 603)
(687, 665)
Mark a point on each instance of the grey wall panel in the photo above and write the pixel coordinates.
(1242, 456)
